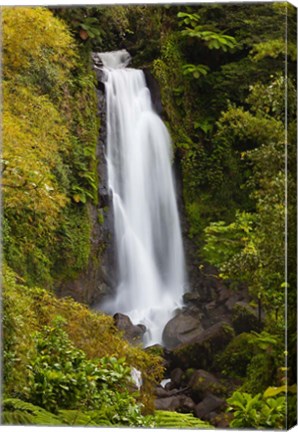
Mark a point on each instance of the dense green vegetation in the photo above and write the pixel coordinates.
(50, 127)
(59, 355)
(227, 104)
(50, 134)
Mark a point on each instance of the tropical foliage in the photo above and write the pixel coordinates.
(48, 161)
(231, 112)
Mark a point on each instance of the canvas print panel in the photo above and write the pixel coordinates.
(149, 216)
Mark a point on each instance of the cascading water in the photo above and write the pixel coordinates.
(147, 229)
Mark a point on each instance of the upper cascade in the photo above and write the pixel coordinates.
(150, 256)
(115, 59)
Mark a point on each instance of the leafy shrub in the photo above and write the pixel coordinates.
(50, 126)
(27, 310)
(60, 374)
(256, 357)
(83, 328)
(33, 35)
(18, 323)
(62, 377)
(263, 368)
(261, 373)
(257, 411)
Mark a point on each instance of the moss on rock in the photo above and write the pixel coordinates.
(200, 352)
(236, 356)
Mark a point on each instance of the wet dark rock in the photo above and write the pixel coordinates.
(180, 403)
(223, 294)
(211, 306)
(176, 376)
(171, 403)
(133, 333)
(160, 392)
(187, 405)
(180, 329)
(230, 303)
(192, 298)
(245, 318)
(199, 353)
(142, 327)
(230, 297)
(96, 60)
(202, 382)
(211, 403)
(153, 86)
(170, 386)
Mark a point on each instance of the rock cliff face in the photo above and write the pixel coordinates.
(97, 279)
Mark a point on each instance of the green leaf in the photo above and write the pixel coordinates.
(273, 391)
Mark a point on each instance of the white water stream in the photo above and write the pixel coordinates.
(147, 228)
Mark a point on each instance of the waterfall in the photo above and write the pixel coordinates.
(146, 221)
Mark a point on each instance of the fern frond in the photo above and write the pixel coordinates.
(172, 419)
(87, 418)
(18, 412)
(17, 418)
(75, 418)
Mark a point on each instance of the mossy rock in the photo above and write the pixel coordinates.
(244, 318)
(236, 357)
(188, 374)
(202, 382)
(181, 329)
(201, 351)
(261, 374)
(157, 350)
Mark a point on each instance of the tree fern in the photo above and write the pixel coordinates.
(100, 418)
(170, 419)
(18, 412)
(88, 418)
(75, 418)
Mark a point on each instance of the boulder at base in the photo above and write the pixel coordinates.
(179, 403)
(222, 420)
(201, 383)
(177, 376)
(199, 353)
(180, 329)
(244, 318)
(132, 333)
(209, 405)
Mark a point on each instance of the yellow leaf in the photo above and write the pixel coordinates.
(273, 391)
(76, 198)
